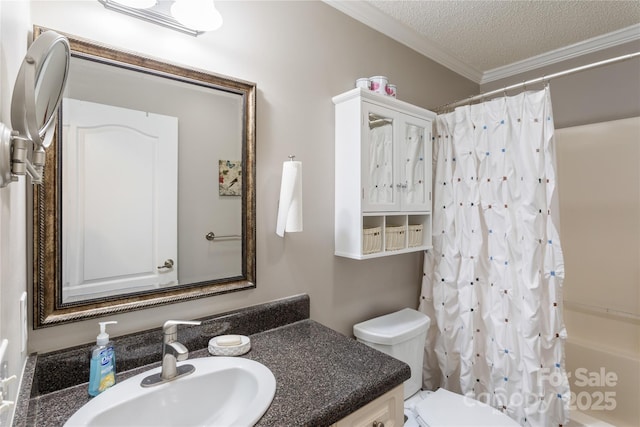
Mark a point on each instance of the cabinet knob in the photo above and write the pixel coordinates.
(377, 424)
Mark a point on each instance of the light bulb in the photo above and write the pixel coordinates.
(137, 4)
(200, 15)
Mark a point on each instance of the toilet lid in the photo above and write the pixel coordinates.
(446, 409)
(393, 328)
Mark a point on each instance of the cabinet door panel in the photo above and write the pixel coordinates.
(378, 159)
(414, 154)
(386, 409)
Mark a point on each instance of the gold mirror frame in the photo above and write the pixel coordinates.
(48, 308)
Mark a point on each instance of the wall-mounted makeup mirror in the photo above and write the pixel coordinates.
(36, 96)
(149, 190)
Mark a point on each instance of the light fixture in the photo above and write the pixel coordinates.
(36, 96)
(200, 15)
(192, 17)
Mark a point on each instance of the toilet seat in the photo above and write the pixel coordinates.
(446, 409)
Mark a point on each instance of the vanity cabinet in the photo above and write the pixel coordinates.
(386, 411)
(382, 175)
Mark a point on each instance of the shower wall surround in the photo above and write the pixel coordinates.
(601, 291)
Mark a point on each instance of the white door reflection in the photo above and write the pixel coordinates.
(120, 195)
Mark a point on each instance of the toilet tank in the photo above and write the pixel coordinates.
(401, 335)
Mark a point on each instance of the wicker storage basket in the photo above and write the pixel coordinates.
(394, 238)
(415, 235)
(371, 240)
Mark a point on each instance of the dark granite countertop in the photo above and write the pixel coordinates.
(321, 377)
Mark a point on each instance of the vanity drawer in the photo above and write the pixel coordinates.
(387, 411)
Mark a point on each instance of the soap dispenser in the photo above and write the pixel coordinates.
(102, 371)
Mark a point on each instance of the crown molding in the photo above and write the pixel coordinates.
(374, 18)
(595, 44)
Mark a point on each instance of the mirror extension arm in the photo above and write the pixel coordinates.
(36, 95)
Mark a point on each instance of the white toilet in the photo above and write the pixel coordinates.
(402, 335)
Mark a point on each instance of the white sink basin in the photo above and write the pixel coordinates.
(223, 391)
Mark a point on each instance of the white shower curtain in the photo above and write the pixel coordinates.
(493, 280)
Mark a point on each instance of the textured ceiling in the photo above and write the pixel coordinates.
(487, 35)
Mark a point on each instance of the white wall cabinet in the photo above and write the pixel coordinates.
(385, 411)
(383, 175)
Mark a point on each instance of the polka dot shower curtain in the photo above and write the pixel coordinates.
(493, 280)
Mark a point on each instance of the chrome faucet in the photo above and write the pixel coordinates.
(172, 352)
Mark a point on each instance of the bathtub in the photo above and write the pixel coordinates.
(586, 362)
(580, 419)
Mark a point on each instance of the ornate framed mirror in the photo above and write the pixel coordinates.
(148, 195)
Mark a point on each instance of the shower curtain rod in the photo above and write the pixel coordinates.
(542, 79)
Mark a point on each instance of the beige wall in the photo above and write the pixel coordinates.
(300, 54)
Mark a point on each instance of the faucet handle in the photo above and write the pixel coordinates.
(170, 323)
(170, 328)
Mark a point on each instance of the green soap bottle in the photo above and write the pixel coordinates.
(102, 371)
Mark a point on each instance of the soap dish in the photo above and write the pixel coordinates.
(229, 350)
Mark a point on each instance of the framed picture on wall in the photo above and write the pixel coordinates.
(230, 177)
